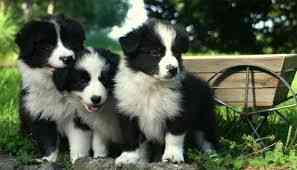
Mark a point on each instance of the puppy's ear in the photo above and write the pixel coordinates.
(60, 78)
(130, 41)
(111, 58)
(182, 40)
(29, 35)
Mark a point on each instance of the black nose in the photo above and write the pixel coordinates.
(96, 99)
(172, 70)
(67, 60)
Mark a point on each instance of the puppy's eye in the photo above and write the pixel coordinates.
(83, 81)
(155, 53)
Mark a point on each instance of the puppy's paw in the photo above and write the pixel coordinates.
(173, 155)
(100, 155)
(76, 156)
(132, 157)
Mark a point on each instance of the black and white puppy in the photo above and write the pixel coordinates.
(45, 45)
(89, 84)
(157, 99)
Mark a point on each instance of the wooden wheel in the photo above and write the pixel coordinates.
(257, 111)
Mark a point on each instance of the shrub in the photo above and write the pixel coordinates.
(8, 29)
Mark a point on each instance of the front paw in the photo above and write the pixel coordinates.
(100, 155)
(131, 157)
(173, 155)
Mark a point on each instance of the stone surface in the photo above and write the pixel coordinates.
(108, 164)
(9, 163)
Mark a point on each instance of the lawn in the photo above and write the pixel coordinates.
(240, 151)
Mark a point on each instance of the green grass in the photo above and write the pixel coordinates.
(240, 150)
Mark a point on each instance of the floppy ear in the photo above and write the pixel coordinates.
(28, 36)
(24, 39)
(111, 58)
(130, 41)
(60, 78)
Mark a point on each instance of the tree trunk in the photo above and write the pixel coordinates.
(51, 7)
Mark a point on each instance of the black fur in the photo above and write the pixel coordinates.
(36, 41)
(73, 79)
(143, 51)
(38, 38)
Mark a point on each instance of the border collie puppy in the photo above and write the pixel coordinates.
(89, 86)
(45, 45)
(157, 99)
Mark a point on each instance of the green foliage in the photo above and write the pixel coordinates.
(229, 25)
(10, 139)
(95, 14)
(8, 29)
(101, 39)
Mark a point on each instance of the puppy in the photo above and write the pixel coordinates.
(45, 45)
(157, 99)
(89, 84)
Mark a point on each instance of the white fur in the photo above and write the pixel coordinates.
(104, 123)
(51, 158)
(99, 145)
(94, 66)
(59, 51)
(132, 157)
(167, 35)
(200, 140)
(174, 148)
(79, 141)
(151, 100)
(42, 96)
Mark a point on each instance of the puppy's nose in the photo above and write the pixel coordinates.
(67, 60)
(172, 70)
(96, 99)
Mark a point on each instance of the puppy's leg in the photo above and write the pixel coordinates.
(202, 142)
(174, 148)
(99, 146)
(138, 155)
(174, 140)
(45, 134)
(79, 141)
(137, 145)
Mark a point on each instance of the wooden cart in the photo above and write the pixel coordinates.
(251, 86)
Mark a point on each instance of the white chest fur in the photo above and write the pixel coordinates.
(42, 98)
(151, 100)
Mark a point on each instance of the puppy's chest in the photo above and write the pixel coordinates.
(46, 103)
(152, 104)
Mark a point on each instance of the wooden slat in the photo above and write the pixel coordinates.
(238, 80)
(237, 96)
(217, 64)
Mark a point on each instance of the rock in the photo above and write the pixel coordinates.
(43, 166)
(108, 164)
(9, 163)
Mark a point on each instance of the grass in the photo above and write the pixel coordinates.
(240, 150)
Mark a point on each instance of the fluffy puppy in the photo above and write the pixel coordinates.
(46, 44)
(157, 100)
(89, 84)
